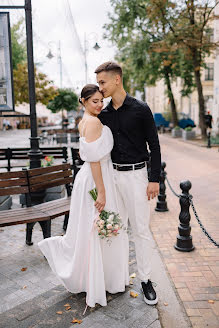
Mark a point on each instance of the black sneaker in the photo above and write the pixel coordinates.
(150, 296)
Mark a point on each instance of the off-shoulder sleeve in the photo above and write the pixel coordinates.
(94, 151)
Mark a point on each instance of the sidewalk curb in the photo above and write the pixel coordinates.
(171, 310)
(191, 142)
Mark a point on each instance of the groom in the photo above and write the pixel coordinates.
(133, 127)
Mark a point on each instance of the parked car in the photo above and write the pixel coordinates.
(184, 121)
(160, 121)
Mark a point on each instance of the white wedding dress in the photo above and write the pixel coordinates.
(81, 260)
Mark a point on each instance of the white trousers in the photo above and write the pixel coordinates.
(133, 205)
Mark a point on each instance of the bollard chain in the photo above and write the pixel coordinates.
(195, 213)
(201, 225)
(172, 188)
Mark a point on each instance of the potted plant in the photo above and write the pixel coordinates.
(188, 133)
(176, 132)
(54, 192)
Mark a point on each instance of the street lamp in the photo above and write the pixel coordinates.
(50, 56)
(96, 47)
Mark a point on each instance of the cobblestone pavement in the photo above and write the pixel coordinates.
(194, 274)
(31, 298)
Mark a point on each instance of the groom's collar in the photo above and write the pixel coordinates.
(127, 101)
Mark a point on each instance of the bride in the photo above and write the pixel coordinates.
(81, 260)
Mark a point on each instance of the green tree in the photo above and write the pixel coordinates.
(146, 48)
(65, 99)
(18, 45)
(44, 89)
(189, 22)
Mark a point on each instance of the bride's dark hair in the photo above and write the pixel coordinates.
(88, 91)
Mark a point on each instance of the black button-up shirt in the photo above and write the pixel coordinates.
(133, 127)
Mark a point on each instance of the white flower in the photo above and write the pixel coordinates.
(109, 226)
(111, 217)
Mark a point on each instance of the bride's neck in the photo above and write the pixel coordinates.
(86, 113)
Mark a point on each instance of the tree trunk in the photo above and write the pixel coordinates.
(201, 103)
(171, 97)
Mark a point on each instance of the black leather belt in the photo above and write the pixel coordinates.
(129, 167)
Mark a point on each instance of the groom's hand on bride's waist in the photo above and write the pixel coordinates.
(152, 190)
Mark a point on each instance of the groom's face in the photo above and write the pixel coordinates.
(108, 83)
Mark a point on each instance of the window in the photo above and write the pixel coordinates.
(209, 72)
(210, 34)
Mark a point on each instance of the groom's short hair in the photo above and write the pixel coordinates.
(109, 67)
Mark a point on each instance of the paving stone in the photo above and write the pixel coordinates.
(199, 282)
(155, 324)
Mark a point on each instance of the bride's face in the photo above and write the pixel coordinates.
(94, 104)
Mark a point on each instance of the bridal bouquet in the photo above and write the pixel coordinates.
(107, 223)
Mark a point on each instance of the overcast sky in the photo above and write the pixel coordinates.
(53, 21)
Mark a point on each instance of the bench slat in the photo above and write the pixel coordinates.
(49, 177)
(51, 184)
(22, 215)
(38, 171)
(14, 174)
(13, 182)
(52, 204)
(57, 207)
(13, 191)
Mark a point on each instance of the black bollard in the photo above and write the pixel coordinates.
(161, 203)
(184, 239)
(209, 140)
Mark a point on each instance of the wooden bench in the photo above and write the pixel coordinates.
(33, 183)
(21, 154)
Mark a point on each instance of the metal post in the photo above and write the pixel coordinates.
(161, 203)
(184, 239)
(209, 139)
(34, 154)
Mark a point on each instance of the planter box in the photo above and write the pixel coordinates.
(176, 133)
(54, 193)
(5, 202)
(188, 135)
(51, 194)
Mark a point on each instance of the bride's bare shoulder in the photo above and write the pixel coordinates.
(92, 122)
(92, 128)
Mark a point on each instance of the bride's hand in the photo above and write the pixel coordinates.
(100, 202)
